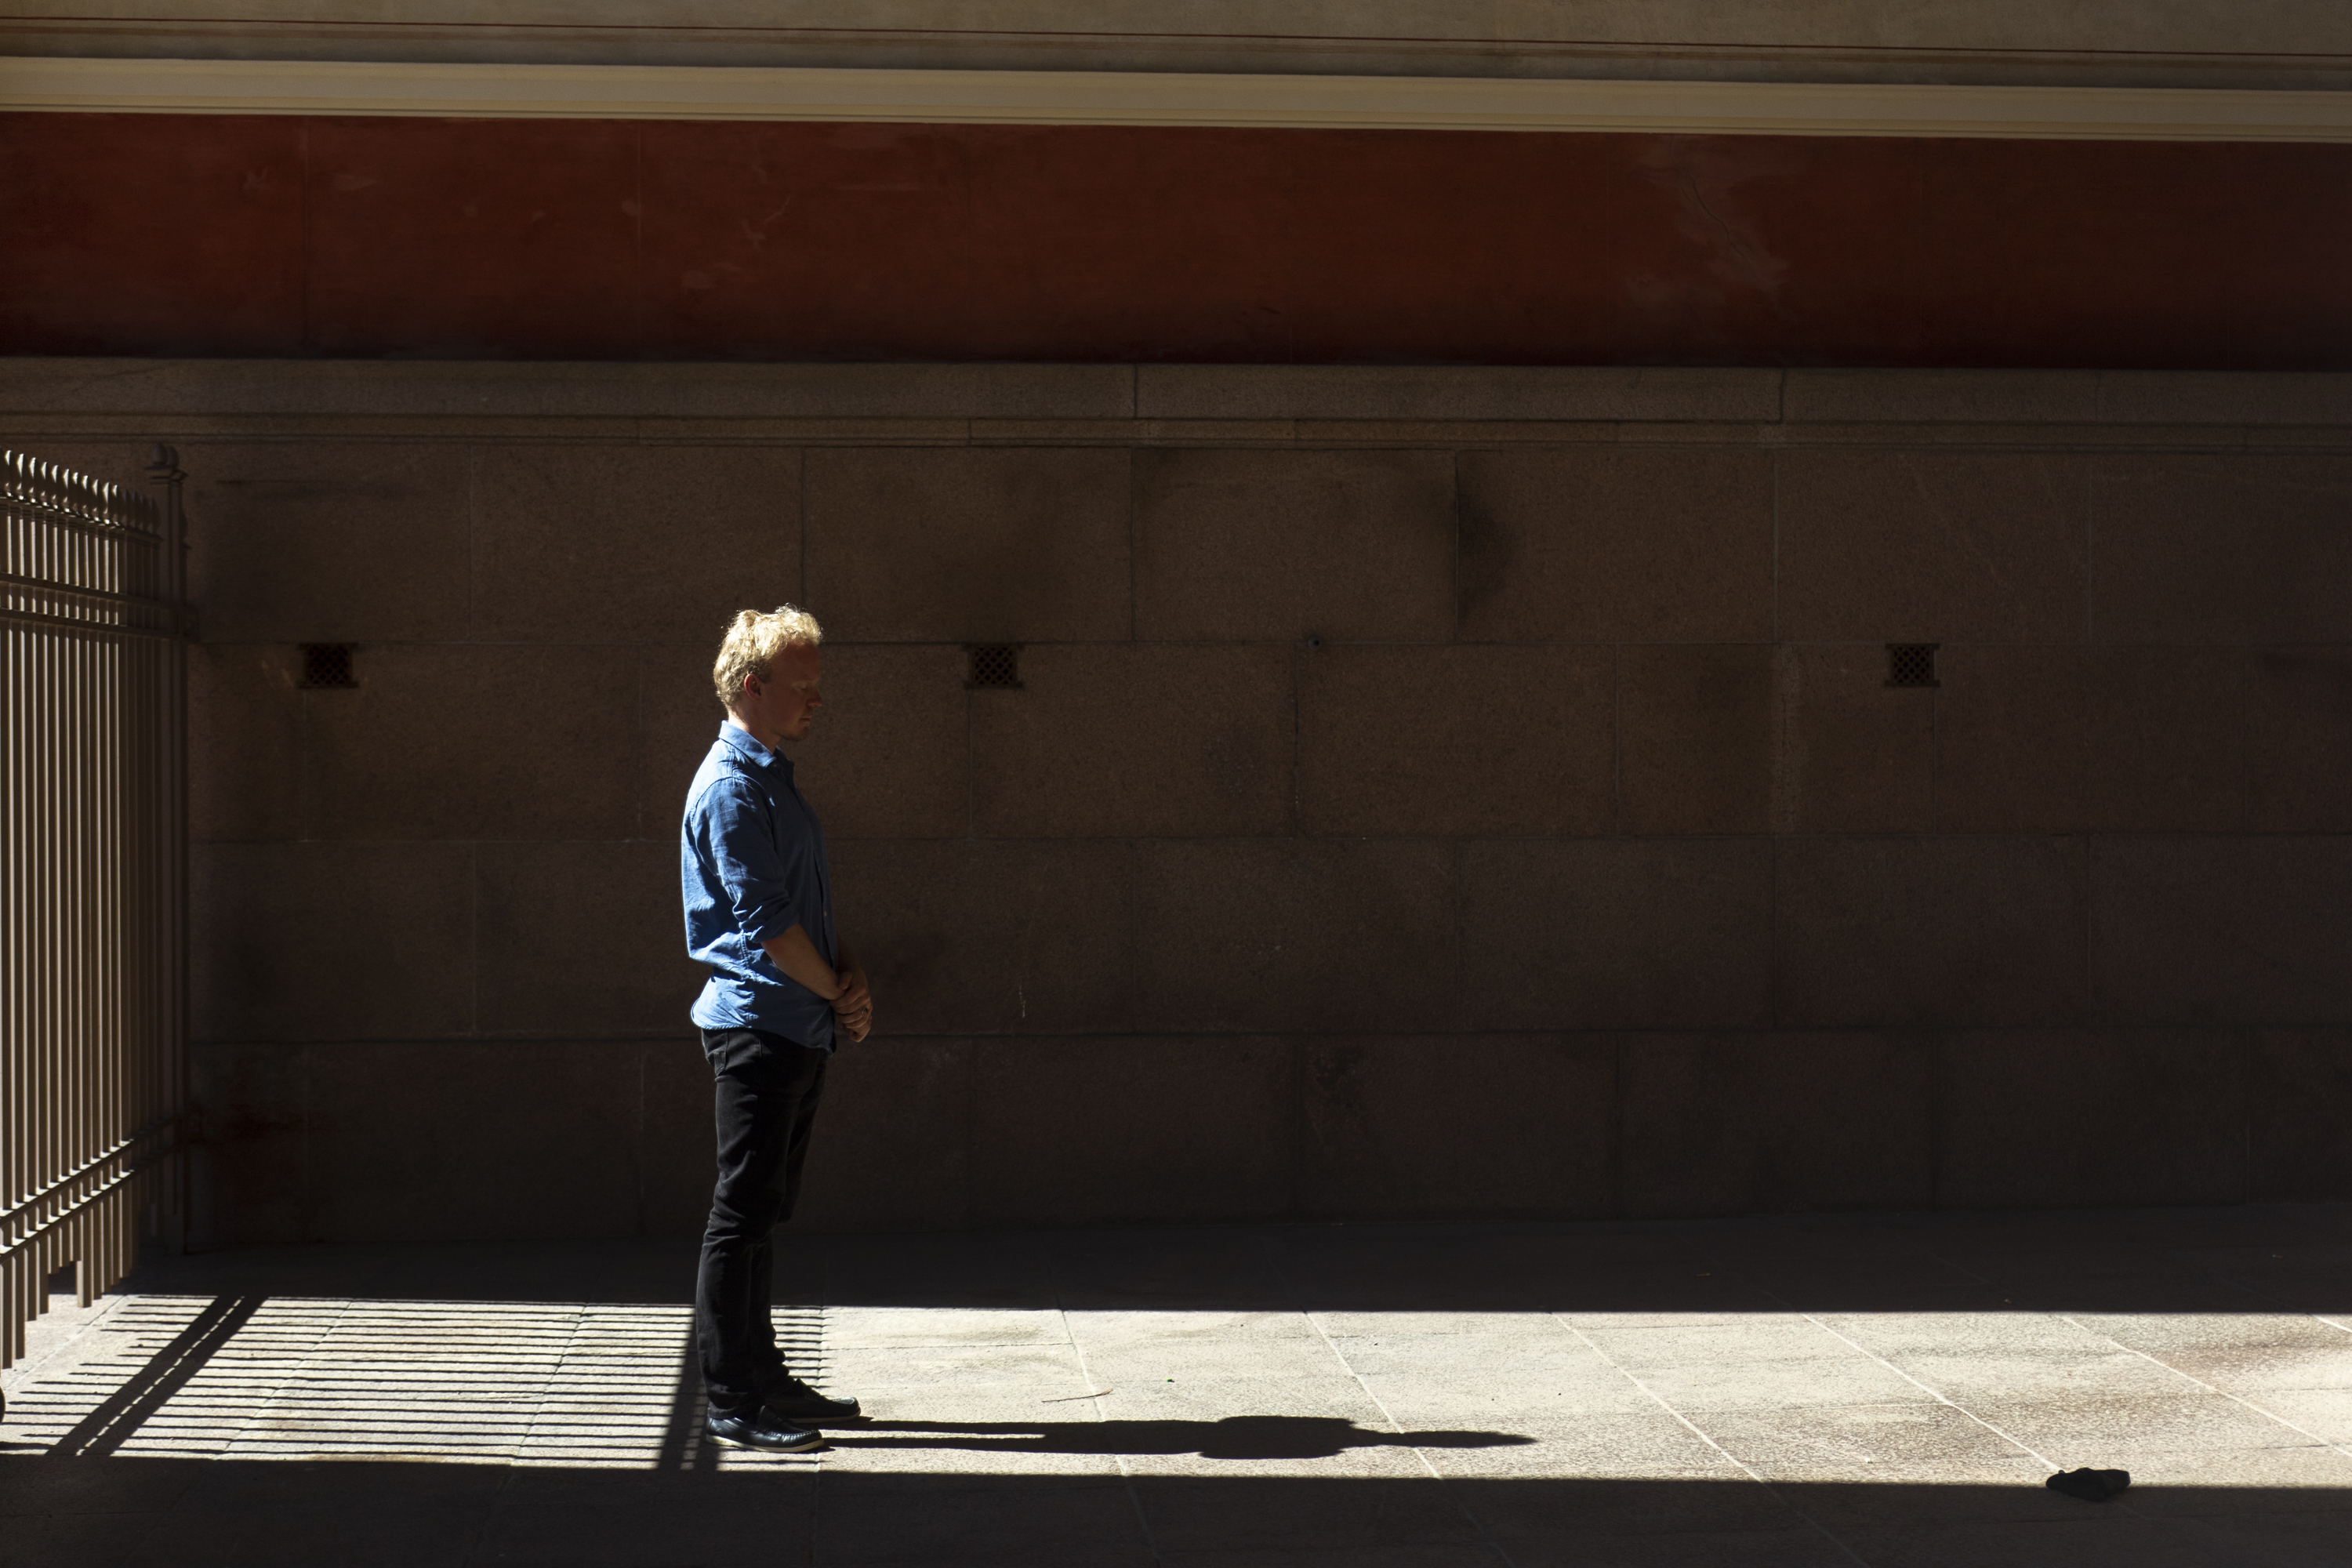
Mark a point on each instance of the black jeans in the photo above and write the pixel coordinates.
(767, 1093)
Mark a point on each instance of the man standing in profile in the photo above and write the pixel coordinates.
(782, 989)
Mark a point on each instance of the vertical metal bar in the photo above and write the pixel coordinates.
(14, 1069)
(20, 1122)
(163, 471)
(12, 1066)
(93, 1011)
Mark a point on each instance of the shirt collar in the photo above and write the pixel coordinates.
(750, 750)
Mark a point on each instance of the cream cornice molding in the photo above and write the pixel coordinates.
(1110, 98)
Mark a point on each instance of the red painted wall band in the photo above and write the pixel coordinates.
(582, 240)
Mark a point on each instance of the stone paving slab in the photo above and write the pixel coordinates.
(1880, 1389)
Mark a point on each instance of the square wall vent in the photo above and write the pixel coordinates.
(1911, 664)
(994, 665)
(327, 667)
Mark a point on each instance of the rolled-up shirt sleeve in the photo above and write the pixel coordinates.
(764, 865)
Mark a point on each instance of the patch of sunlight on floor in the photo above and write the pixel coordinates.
(580, 1385)
(312, 1378)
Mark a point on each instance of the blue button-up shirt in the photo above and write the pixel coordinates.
(752, 859)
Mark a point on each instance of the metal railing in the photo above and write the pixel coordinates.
(93, 868)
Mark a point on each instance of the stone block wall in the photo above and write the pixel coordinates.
(1430, 794)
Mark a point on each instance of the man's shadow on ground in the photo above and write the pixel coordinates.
(1234, 1438)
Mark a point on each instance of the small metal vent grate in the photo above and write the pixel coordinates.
(327, 666)
(1911, 664)
(995, 664)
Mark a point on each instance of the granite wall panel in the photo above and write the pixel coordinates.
(248, 1157)
(1136, 741)
(1456, 1126)
(2299, 1114)
(316, 941)
(675, 721)
(2221, 930)
(968, 545)
(1928, 932)
(332, 540)
(1933, 546)
(889, 757)
(2167, 1125)
(2215, 548)
(1695, 749)
(1455, 828)
(677, 1137)
(2072, 740)
(1616, 934)
(892, 1147)
(2298, 719)
(416, 1140)
(1851, 753)
(617, 543)
(980, 935)
(245, 781)
(1295, 933)
(475, 741)
(1272, 546)
(1599, 545)
(1075, 1130)
(1411, 742)
(580, 939)
(1769, 1121)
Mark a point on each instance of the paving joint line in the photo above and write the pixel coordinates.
(474, 1543)
(2210, 1388)
(1485, 1536)
(300, 1361)
(1991, 1284)
(1741, 1465)
(2234, 1284)
(545, 1391)
(1094, 1402)
(1932, 1392)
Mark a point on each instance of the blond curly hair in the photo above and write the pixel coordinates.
(753, 642)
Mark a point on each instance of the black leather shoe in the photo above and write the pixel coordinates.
(793, 1400)
(762, 1431)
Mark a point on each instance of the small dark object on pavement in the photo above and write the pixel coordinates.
(2090, 1485)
